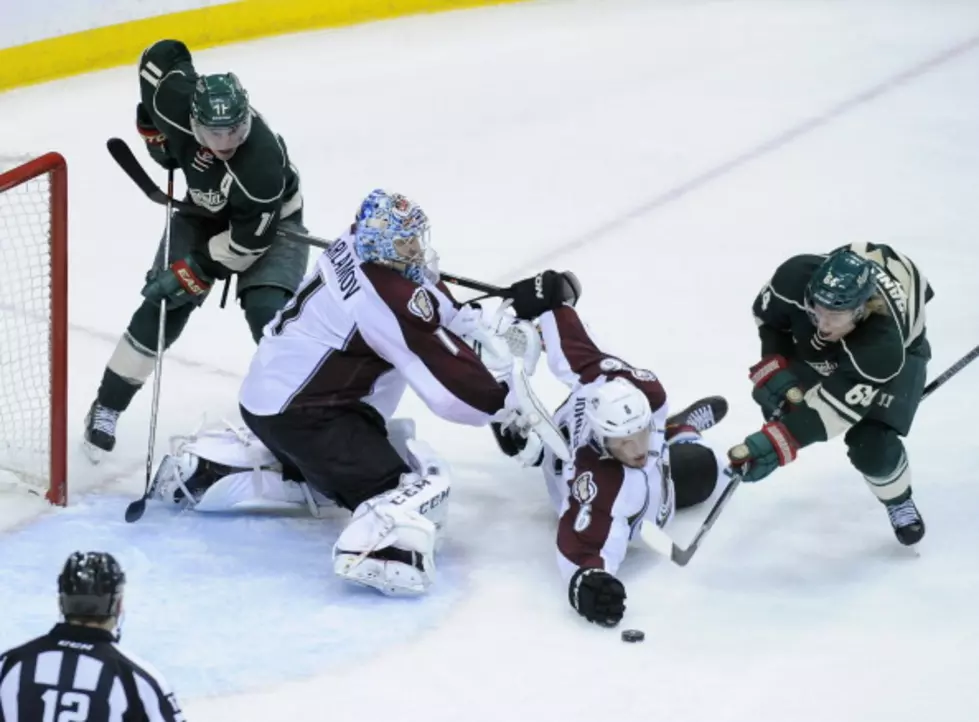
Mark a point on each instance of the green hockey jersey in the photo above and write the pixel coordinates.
(250, 192)
(856, 369)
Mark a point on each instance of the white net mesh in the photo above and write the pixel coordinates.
(25, 330)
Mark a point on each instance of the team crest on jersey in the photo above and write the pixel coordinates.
(214, 201)
(584, 489)
(823, 368)
(420, 304)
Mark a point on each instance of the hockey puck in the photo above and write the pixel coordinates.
(633, 635)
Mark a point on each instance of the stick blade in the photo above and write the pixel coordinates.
(122, 154)
(135, 511)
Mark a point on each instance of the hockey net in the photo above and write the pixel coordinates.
(34, 323)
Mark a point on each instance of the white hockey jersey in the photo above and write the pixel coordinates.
(601, 503)
(360, 331)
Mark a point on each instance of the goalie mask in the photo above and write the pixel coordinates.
(621, 419)
(393, 231)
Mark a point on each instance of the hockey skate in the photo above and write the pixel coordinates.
(698, 416)
(100, 431)
(909, 527)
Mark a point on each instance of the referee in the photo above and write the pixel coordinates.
(77, 672)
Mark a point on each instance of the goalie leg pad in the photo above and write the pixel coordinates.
(390, 541)
(227, 469)
(694, 469)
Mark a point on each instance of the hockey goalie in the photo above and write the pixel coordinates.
(370, 319)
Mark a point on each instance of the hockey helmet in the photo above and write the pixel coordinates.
(392, 230)
(620, 417)
(220, 116)
(90, 586)
(844, 281)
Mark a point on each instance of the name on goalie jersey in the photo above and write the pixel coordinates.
(345, 267)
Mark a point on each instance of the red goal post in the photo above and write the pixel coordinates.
(34, 322)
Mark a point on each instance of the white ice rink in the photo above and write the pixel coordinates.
(671, 153)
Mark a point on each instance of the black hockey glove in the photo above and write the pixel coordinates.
(512, 442)
(156, 142)
(544, 292)
(597, 596)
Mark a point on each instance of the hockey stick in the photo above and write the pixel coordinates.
(664, 544)
(950, 372)
(123, 155)
(137, 508)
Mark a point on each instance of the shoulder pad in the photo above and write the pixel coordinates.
(406, 299)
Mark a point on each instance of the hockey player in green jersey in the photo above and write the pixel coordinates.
(236, 167)
(844, 352)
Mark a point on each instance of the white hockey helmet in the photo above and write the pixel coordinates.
(617, 409)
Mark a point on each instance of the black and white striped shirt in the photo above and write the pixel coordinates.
(79, 674)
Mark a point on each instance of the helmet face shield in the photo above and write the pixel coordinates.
(417, 251)
(222, 141)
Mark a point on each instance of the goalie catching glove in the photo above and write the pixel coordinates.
(597, 596)
(763, 452)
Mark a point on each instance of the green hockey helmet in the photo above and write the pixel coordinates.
(837, 293)
(843, 282)
(220, 116)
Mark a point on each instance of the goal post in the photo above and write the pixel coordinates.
(34, 322)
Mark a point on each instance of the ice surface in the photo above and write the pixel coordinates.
(731, 135)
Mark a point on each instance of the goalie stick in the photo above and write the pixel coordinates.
(664, 544)
(123, 156)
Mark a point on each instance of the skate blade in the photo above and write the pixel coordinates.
(94, 454)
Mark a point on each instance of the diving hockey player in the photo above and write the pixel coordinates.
(368, 321)
(844, 352)
(632, 465)
(234, 166)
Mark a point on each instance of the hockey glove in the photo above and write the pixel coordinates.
(183, 282)
(774, 385)
(156, 142)
(763, 452)
(527, 447)
(597, 596)
(542, 293)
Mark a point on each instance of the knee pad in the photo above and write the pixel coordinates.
(874, 449)
(694, 469)
(877, 452)
(261, 304)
